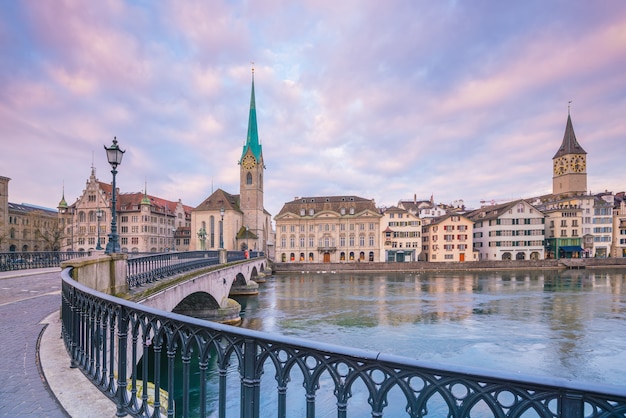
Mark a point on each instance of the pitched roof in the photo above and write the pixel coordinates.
(135, 199)
(328, 203)
(28, 208)
(219, 199)
(569, 145)
(492, 211)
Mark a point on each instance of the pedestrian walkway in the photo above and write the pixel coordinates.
(37, 380)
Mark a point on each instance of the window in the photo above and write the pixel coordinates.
(249, 178)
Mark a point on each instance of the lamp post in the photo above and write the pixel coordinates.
(247, 247)
(173, 239)
(114, 155)
(98, 216)
(222, 228)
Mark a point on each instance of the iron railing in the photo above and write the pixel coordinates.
(149, 268)
(106, 337)
(37, 259)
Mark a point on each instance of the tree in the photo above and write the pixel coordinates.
(52, 233)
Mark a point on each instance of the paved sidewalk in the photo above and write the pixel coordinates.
(36, 380)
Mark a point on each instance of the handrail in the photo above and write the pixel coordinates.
(37, 259)
(106, 336)
(149, 268)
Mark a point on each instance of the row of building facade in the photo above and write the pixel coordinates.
(569, 222)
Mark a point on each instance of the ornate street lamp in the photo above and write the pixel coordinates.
(247, 247)
(222, 228)
(114, 155)
(98, 216)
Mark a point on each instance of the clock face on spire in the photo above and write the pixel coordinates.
(577, 164)
(560, 166)
(248, 162)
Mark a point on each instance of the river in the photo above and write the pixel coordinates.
(569, 324)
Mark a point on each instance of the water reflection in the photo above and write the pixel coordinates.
(568, 324)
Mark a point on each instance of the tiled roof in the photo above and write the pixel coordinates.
(219, 199)
(329, 203)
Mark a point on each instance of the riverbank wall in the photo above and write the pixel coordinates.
(419, 266)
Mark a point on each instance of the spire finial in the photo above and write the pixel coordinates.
(252, 63)
(569, 104)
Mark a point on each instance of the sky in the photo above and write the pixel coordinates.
(388, 100)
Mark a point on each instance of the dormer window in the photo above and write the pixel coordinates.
(302, 212)
(311, 212)
(351, 211)
(342, 211)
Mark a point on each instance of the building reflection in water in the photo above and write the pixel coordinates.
(531, 321)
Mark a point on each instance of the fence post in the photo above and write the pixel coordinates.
(122, 340)
(572, 405)
(250, 384)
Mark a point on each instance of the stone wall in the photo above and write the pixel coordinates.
(452, 266)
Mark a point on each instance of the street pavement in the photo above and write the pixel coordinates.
(35, 377)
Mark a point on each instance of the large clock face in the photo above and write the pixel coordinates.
(560, 166)
(248, 162)
(577, 164)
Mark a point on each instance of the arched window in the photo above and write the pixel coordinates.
(311, 257)
(371, 256)
(283, 257)
(249, 178)
(92, 216)
(81, 216)
(212, 232)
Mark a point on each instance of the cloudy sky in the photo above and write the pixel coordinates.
(379, 99)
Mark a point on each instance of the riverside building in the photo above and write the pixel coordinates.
(509, 231)
(337, 229)
(401, 235)
(144, 223)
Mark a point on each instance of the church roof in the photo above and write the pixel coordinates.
(219, 199)
(252, 141)
(569, 145)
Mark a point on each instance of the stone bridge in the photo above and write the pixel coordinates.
(203, 295)
(206, 295)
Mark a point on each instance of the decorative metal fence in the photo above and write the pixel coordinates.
(37, 259)
(107, 337)
(148, 268)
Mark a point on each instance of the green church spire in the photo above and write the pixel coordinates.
(252, 141)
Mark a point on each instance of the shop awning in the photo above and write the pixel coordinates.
(571, 249)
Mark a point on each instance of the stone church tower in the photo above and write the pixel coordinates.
(251, 171)
(569, 175)
(237, 221)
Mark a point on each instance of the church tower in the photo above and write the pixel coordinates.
(569, 175)
(251, 183)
